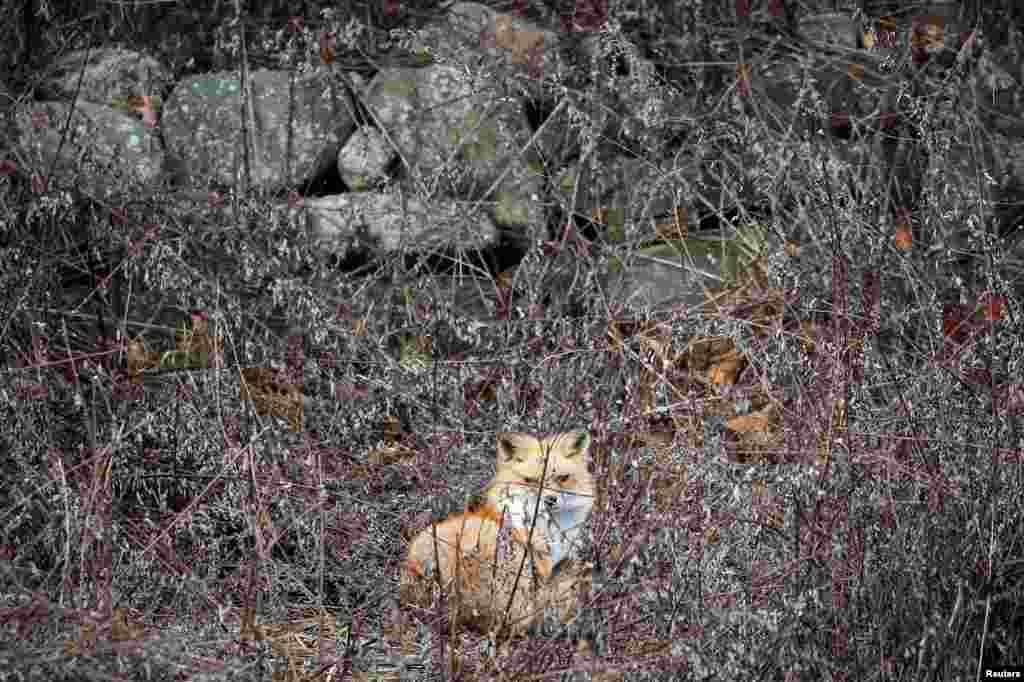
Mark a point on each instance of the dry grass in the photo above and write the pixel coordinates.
(818, 476)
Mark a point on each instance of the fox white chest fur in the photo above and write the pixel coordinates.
(561, 515)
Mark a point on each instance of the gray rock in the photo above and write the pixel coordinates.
(441, 117)
(105, 152)
(294, 129)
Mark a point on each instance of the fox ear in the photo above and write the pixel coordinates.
(574, 443)
(511, 446)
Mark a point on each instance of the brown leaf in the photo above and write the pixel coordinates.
(273, 398)
(521, 43)
(677, 228)
(140, 359)
(122, 629)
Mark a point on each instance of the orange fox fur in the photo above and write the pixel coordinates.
(478, 553)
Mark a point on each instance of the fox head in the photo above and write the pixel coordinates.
(566, 480)
(555, 468)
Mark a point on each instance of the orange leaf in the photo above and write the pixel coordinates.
(992, 307)
(904, 239)
(328, 48)
(726, 370)
(744, 78)
(956, 322)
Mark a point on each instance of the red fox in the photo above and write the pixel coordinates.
(478, 553)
